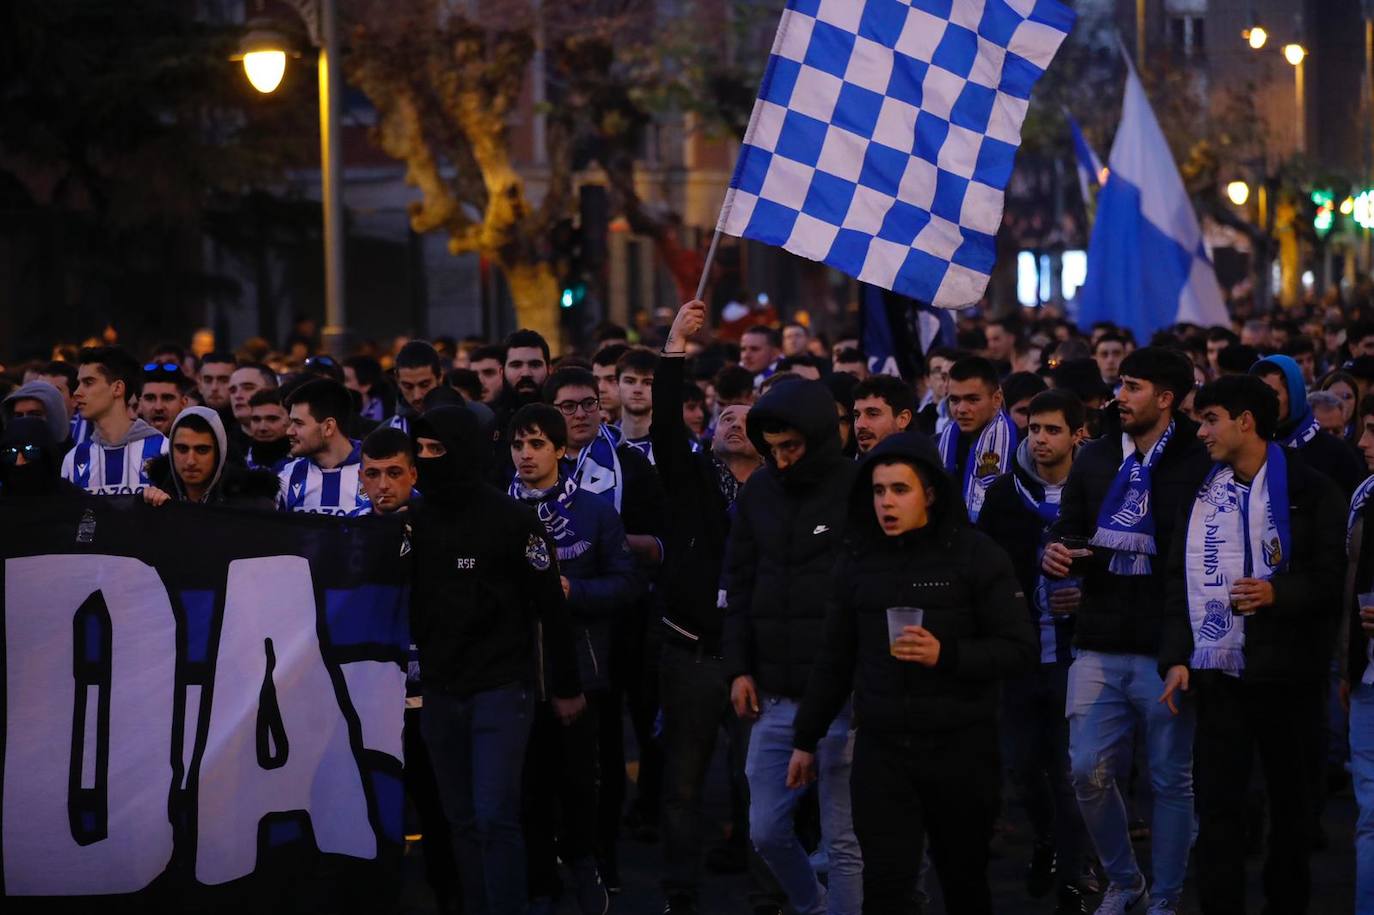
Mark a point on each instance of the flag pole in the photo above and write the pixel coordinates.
(706, 267)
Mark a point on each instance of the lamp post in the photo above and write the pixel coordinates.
(264, 62)
(1296, 55)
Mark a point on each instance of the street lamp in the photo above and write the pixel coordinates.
(1296, 54)
(264, 62)
(1238, 192)
(1256, 36)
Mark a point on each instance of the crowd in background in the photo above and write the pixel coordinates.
(1113, 573)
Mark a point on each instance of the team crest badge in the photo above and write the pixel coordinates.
(989, 464)
(537, 554)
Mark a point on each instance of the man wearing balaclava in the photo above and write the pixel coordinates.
(488, 617)
(30, 462)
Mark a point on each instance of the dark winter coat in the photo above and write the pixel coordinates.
(786, 537)
(973, 604)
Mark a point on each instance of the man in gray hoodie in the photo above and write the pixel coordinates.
(40, 400)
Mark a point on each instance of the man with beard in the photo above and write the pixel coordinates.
(165, 389)
(323, 477)
(267, 425)
(486, 584)
(882, 407)
(693, 686)
(1125, 494)
(526, 368)
(634, 377)
(418, 371)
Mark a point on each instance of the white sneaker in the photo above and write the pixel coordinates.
(1118, 900)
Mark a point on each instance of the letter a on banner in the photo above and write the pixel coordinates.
(276, 749)
(88, 725)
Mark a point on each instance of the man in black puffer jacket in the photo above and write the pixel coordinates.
(787, 534)
(1125, 492)
(925, 706)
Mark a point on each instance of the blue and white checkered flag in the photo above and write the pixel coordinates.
(884, 134)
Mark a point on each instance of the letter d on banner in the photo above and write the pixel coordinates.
(64, 738)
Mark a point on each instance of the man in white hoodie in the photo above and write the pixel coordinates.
(114, 460)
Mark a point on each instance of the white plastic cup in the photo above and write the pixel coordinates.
(898, 618)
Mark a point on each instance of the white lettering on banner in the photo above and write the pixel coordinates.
(274, 598)
(94, 819)
(41, 855)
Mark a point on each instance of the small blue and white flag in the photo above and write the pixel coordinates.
(1091, 173)
(1147, 268)
(884, 135)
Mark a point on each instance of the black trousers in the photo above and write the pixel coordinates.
(1035, 734)
(696, 705)
(560, 795)
(1237, 721)
(440, 873)
(945, 784)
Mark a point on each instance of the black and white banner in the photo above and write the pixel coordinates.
(201, 706)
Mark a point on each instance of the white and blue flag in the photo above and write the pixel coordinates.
(884, 135)
(1091, 172)
(1147, 268)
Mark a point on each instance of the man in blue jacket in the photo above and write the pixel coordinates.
(599, 578)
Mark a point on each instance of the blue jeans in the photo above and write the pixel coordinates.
(1362, 773)
(477, 747)
(772, 804)
(1107, 695)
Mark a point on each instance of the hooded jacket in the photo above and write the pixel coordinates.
(114, 468)
(787, 534)
(1125, 613)
(42, 478)
(54, 407)
(1323, 452)
(231, 483)
(1018, 530)
(486, 575)
(973, 604)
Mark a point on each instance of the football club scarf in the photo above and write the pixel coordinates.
(1125, 524)
(552, 507)
(1303, 434)
(597, 469)
(988, 458)
(1234, 531)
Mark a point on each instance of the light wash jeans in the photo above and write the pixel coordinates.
(1107, 695)
(1362, 773)
(771, 806)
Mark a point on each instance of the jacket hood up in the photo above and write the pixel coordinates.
(809, 407)
(1299, 413)
(947, 514)
(221, 447)
(54, 407)
(463, 466)
(41, 477)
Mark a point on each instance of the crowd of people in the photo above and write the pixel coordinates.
(1123, 577)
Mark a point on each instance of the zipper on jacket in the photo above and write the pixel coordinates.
(539, 659)
(596, 668)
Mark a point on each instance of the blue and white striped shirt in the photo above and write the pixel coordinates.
(81, 429)
(307, 487)
(112, 470)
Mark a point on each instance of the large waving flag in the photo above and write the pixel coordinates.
(1147, 268)
(884, 135)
